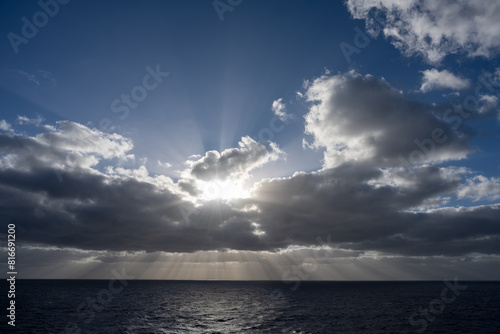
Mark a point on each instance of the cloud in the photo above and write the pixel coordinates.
(279, 108)
(361, 118)
(23, 120)
(74, 137)
(6, 127)
(95, 210)
(481, 188)
(164, 164)
(71, 146)
(96, 205)
(340, 202)
(434, 29)
(434, 79)
(362, 197)
(233, 162)
(487, 104)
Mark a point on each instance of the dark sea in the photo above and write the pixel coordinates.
(103, 306)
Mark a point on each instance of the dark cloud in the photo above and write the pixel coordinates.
(96, 212)
(62, 187)
(339, 202)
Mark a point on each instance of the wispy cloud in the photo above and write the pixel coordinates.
(279, 109)
(4, 126)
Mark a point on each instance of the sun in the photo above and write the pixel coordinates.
(222, 189)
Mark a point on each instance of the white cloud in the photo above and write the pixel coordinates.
(480, 187)
(67, 147)
(75, 137)
(361, 118)
(434, 29)
(487, 103)
(233, 162)
(4, 126)
(164, 164)
(435, 79)
(279, 108)
(23, 120)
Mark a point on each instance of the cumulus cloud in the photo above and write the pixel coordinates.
(434, 29)
(361, 118)
(75, 137)
(233, 162)
(96, 205)
(70, 146)
(91, 208)
(434, 79)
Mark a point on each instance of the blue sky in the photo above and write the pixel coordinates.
(260, 117)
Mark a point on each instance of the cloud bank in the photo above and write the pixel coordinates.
(64, 187)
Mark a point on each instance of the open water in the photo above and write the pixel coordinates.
(103, 306)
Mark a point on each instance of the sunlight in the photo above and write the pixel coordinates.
(226, 190)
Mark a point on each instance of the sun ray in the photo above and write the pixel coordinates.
(222, 189)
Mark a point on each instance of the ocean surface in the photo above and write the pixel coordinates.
(104, 306)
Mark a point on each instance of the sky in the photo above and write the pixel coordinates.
(251, 140)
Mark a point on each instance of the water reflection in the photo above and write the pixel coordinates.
(208, 307)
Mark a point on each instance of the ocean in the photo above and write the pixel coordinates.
(142, 306)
